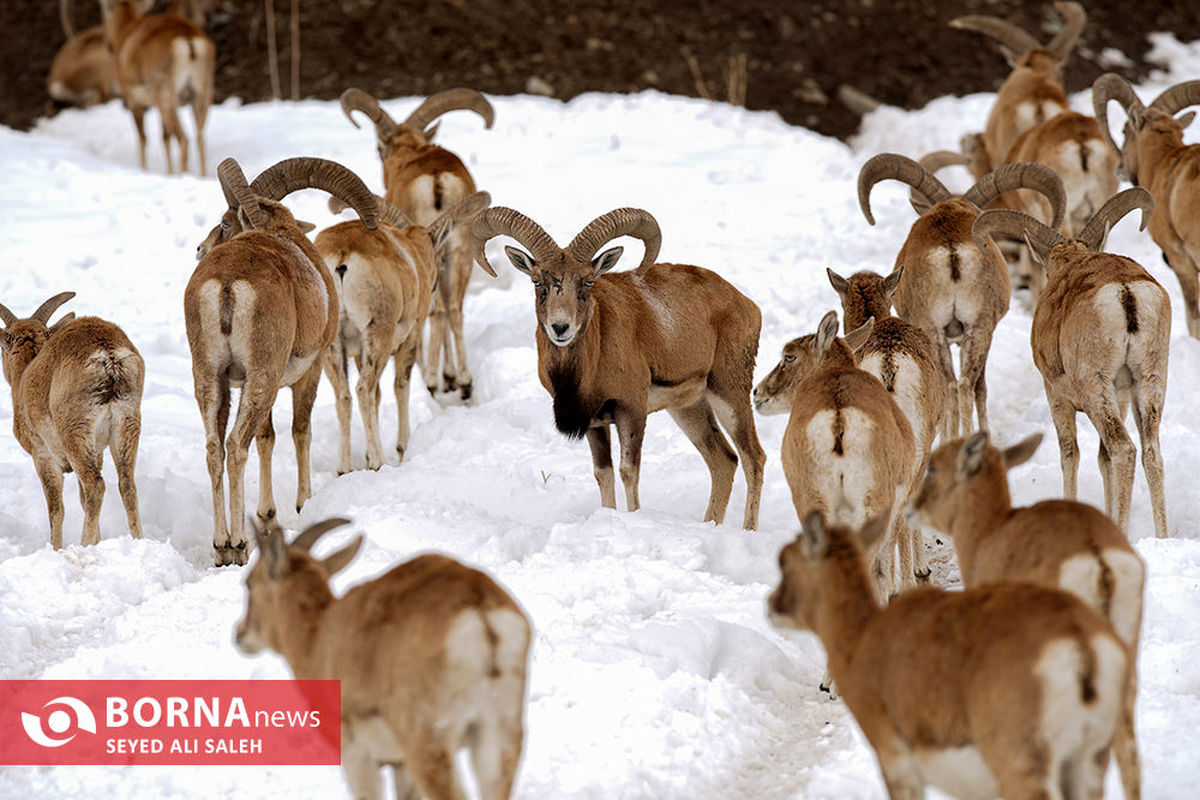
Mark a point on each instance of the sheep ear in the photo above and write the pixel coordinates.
(892, 282)
(306, 227)
(815, 539)
(1186, 119)
(431, 131)
(606, 260)
(872, 531)
(273, 550)
(827, 332)
(65, 319)
(859, 336)
(520, 259)
(1022, 451)
(338, 561)
(1038, 256)
(970, 457)
(840, 284)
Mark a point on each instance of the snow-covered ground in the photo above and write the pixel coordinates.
(655, 673)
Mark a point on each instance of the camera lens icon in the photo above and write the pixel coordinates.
(59, 721)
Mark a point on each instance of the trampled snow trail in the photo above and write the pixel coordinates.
(655, 673)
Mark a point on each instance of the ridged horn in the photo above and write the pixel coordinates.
(1021, 175)
(47, 308)
(307, 172)
(901, 168)
(1074, 18)
(1111, 86)
(1016, 224)
(1113, 210)
(6, 316)
(308, 537)
(932, 162)
(451, 100)
(391, 214)
(238, 193)
(357, 100)
(635, 222)
(503, 221)
(1178, 97)
(64, 16)
(1007, 34)
(462, 209)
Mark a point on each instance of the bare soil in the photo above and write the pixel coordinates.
(798, 53)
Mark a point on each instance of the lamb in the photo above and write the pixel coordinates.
(1005, 690)
(76, 389)
(431, 657)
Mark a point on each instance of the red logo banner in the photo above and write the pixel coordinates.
(170, 722)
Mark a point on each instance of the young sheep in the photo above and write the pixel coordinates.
(76, 389)
(385, 281)
(431, 657)
(848, 450)
(951, 288)
(1101, 332)
(1006, 690)
(163, 61)
(1155, 156)
(613, 348)
(1056, 543)
(261, 310)
(902, 357)
(1033, 92)
(423, 179)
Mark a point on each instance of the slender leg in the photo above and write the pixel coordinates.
(631, 427)
(212, 395)
(124, 446)
(1104, 414)
(404, 359)
(362, 771)
(304, 394)
(376, 350)
(1147, 414)
(52, 481)
(1063, 414)
(602, 467)
(139, 122)
(1189, 284)
(951, 418)
(699, 424)
(336, 370)
(972, 382)
(734, 412)
(254, 406)
(432, 767)
(264, 441)
(495, 754)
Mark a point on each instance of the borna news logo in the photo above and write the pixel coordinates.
(59, 721)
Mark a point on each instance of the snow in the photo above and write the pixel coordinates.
(655, 672)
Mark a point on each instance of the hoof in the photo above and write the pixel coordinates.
(400, 451)
(267, 517)
(831, 690)
(922, 575)
(464, 391)
(230, 554)
(449, 382)
(340, 473)
(432, 390)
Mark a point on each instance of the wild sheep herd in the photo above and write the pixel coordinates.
(1002, 689)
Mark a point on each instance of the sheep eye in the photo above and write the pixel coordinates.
(789, 358)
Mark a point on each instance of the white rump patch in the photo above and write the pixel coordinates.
(958, 771)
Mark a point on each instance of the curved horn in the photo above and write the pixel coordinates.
(391, 214)
(1016, 224)
(502, 221)
(462, 209)
(1178, 97)
(634, 222)
(47, 308)
(451, 100)
(1074, 18)
(64, 16)
(308, 537)
(306, 172)
(1007, 34)
(1021, 175)
(1113, 211)
(901, 168)
(238, 193)
(357, 100)
(932, 162)
(6, 316)
(1111, 86)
